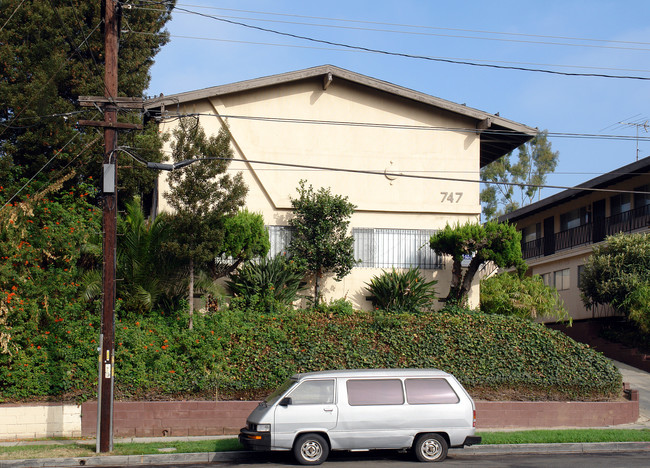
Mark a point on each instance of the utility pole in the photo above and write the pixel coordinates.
(109, 221)
(110, 103)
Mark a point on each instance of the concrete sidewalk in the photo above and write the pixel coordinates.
(638, 380)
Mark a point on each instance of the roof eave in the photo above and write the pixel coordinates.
(602, 181)
(500, 136)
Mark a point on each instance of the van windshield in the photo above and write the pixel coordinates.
(275, 396)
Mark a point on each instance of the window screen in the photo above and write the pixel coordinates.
(313, 392)
(375, 392)
(428, 391)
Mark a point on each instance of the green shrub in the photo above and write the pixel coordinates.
(402, 291)
(618, 274)
(235, 354)
(526, 297)
(278, 279)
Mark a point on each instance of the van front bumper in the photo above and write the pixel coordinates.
(253, 440)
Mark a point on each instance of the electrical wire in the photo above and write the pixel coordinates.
(343, 20)
(38, 94)
(171, 117)
(48, 162)
(77, 49)
(416, 33)
(338, 49)
(411, 56)
(417, 176)
(12, 15)
(39, 117)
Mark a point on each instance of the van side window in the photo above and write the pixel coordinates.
(313, 392)
(429, 391)
(375, 392)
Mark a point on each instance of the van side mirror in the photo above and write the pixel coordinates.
(286, 401)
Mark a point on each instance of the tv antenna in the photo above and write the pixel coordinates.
(638, 124)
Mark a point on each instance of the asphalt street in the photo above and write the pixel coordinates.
(600, 454)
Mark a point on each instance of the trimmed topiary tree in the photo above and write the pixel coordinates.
(492, 242)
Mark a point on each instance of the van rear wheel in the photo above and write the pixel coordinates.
(311, 449)
(430, 448)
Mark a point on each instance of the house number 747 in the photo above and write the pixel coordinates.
(451, 197)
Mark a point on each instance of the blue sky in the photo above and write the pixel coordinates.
(604, 37)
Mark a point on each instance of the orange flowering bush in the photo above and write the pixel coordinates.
(40, 293)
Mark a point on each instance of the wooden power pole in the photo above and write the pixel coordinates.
(110, 103)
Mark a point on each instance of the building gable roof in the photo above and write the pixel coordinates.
(499, 136)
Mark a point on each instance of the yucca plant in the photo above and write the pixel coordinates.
(402, 290)
(278, 278)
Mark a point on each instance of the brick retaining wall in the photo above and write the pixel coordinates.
(528, 414)
(170, 418)
(183, 418)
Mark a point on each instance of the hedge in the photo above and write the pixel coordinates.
(240, 354)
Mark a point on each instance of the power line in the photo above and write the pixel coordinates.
(48, 162)
(345, 20)
(411, 56)
(595, 136)
(37, 94)
(338, 49)
(413, 176)
(12, 14)
(416, 33)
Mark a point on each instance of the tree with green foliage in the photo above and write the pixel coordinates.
(405, 291)
(492, 242)
(535, 161)
(618, 274)
(52, 52)
(206, 199)
(320, 234)
(525, 297)
(148, 278)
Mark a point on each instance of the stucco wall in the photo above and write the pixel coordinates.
(390, 134)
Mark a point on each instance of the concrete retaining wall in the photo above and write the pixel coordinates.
(192, 418)
(36, 421)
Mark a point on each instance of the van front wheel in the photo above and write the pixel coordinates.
(311, 449)
(430, 448)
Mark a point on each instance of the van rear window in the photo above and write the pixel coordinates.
(375, 392)
(429, 391)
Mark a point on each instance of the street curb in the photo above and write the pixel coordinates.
(243, 456)
(590, 447)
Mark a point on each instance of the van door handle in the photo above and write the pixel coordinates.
(328, 410)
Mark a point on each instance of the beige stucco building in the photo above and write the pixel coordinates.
(408, 161)
(559, 232)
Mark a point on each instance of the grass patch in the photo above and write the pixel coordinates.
(127, 448)
(223, 445)
(565, 436)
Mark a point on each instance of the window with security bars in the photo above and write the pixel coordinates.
(279, 238)
(399, 248)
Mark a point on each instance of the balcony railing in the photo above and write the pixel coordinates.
(596, 231)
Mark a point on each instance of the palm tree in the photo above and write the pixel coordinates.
(147, 277)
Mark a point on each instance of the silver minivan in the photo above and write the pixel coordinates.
(426, 410)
